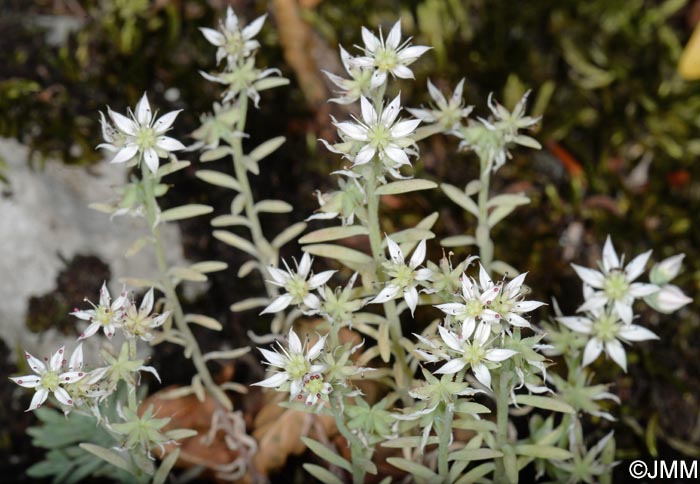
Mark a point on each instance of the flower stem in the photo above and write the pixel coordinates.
(131, 391)
(178, 315)
(483, 230)
(357, 449)
(402, 370)
(266, 253)
(501, 384)
(444, 444)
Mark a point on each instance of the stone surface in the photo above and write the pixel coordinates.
(45, 220)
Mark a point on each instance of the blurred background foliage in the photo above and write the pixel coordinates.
(621, 131)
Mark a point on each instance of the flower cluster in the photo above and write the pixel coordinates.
(609, 295)
(121, 314)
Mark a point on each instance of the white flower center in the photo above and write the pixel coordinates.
(49, 380)
(616, 286)
(298, 288)
(297, 366)
(386, 59)
(146, 138)
(606, 328)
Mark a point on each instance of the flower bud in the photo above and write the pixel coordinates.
(666, 270)
(667, 300)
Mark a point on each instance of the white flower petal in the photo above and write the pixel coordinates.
(517, 320)
(624, 311)
(370, 40)
(35, 364)
(633, 332)
(125, 154)
(482, 374)
(577, 323)
(592, 351)
(274, 358)
(453, 309)
(252, 29)
(29, 381)
(497, 354)
(62, 396)
(369, 115)
(610, 259)
(39, 398)
(386, 294)
(451, 367)
(636, 266)
(410, 54)
(365, 155)
(280, 303)
(418, 255)
(394, 251)
(147, 303)
(89, 331)
(316, 349)
(165, 121)
(640, 289)
(214, 37)
(450, 339)
(410, 295)
(143, 111)
(123, 124)
(591, 277)
(151, 158)
(295, 345)
(169, 144)
(484, 279)
(616, 352)
(527, 306)
(274, 381)
(76, 359)
(318, 280)
(394, 37)
(280, 277)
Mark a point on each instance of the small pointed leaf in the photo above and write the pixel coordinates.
(333, 233)
(219, 179)
(184, 212)
(266, 148)
(236, 241)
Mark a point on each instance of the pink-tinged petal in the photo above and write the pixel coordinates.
(280, 277)
(636, 266)
(151, 158)
(143, 111)
(386, 294)
(484, 279)
(482, 375)
(394, 251)
(63, 396)
(84, 315)
(105, 298)
(451, 367)
(491, 316)
(279, 304)
(577, 323)
(165, 121)
(295, 345)
(35, 364)
(169, 144)
(610, 259)
(482, 333)
(147, 303)
(316, 349)
(71, 376)
(404, 128)
(616, 352)
(318, 280)
(450, 339)
(125, 154)
(295, 387)
(369, 115)
(633, 332)
(76, 359)
(391, 111)
(402, 72)
(123, 123)
(453, 309)
(274, 358)
(410, 295)
(527, 306)
(498, 354)
(640, 289)
(370, 40)
(394, 37)
(624, 311)
(29, 381)
(274, 381)
(410, 54)
(593, 278)
(89, 331)
(254, 27)
(214, 37)
(418, 255)
(592, 351)
(365, 155)
(39, 398)
(312, 301)
(517, 320)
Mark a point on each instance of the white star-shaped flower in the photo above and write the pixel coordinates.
(351, 89)
(298, 286)
(141, 134)
(388, 56)
(294, 364)
(50, 379)
(613, 284)
(380, 134)
(606, 332)
(106, 315)
(403, 277)
(233, 42)
(448, 114)
(139, 322)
